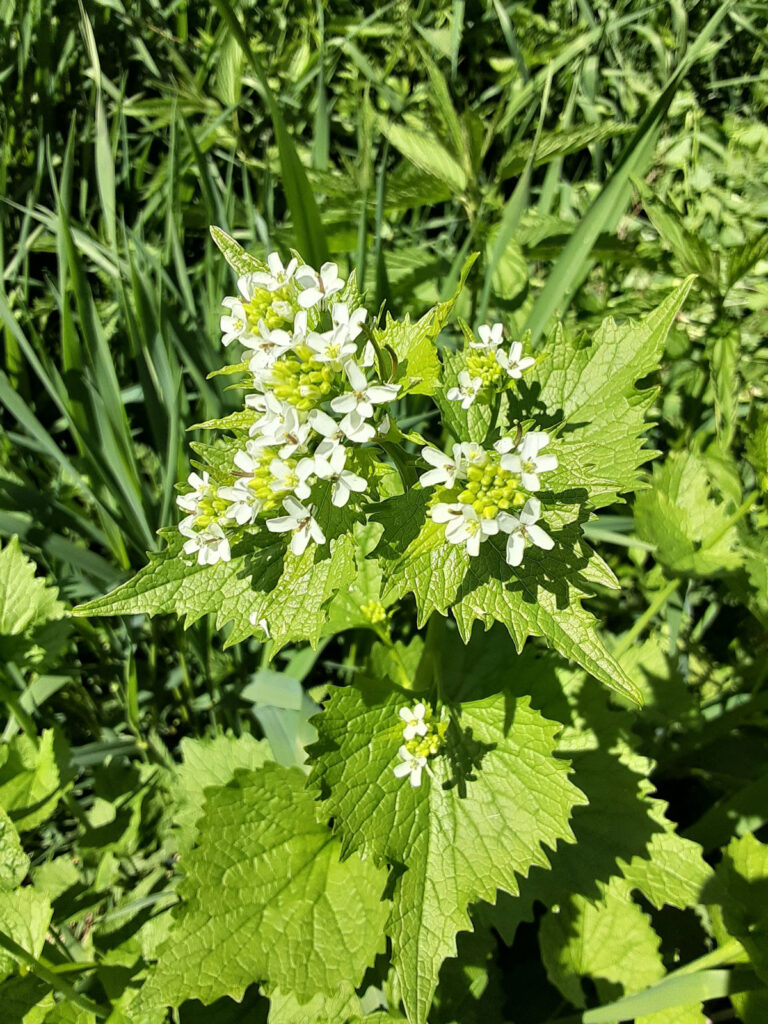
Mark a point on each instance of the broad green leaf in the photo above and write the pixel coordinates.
(24, 918)
(612, 942)
(27, 604)
(260, 583)
(414, 344)
(692, 252)
(541, 597)
(341, 1005)
(557, 144)
(590, 387)
(426, 152)
(497, 767)
(266, 897)
(209, 763)
(742, 882)
(691, 530)
(14, 863)
(28, 1000)
(32, 778)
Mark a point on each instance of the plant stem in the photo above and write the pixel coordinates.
(658, 602)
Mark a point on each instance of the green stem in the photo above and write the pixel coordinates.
(658, 602)
(45, 974)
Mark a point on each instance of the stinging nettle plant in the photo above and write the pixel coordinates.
(315, 510)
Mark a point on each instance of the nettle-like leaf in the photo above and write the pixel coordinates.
(31, 615)
(540, 597)
(742, 882)
(266, 897)
(14, 863)
(692, 531)
(494, 798)
(587, 387)
(612, 942)
(262, 581)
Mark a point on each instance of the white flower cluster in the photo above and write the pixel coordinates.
(315, 398)
(489, 365)
(423, 738)
(483, 493)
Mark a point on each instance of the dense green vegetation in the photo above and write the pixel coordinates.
(597, 157)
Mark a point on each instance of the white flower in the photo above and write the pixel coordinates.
(234, 324)
(245, 505)
(329, 430)
(277, 276)
(189, 502)
(410, 765)
(317, 287)
(467, 389)
(350, 323)
(490, 337)
(281, 427)
(300, 520)
(522, 529)
(261, 624)
(292, 478)
(464, 526)
(513, 361)
(210, 543)
(344, 480)
(414, 721)
(447, 467)
(356, 428)
(363, 396)
(267, 344)
(526, 460)
(473, 453)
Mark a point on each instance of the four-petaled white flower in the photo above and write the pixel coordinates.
(363, 396)
(281, 427)
(210, 543)
(523, 528)
(267, 345)
(447, 467)
(525, 459)
(301, 522)
(292, 478)
(514, 362)
(245, 506)
(490, 337)
(410, 765)
(467, 390)
(189, 502)
(270, 281)
(317, 286)
(414, 721)
(338, 345)
(356, 428)
(344, 480)
(234, 324)
(329, 430)
(464, 525)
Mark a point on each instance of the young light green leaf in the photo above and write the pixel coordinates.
(241, 261)
(14, 863)
(541, 597)
(612, 942)
(209, 763)
(691, 530)
(32, 777)
(289, 592)
(266, 897)
(497, 768)
(592, 385)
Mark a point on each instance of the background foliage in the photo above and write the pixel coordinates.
(595, 155)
